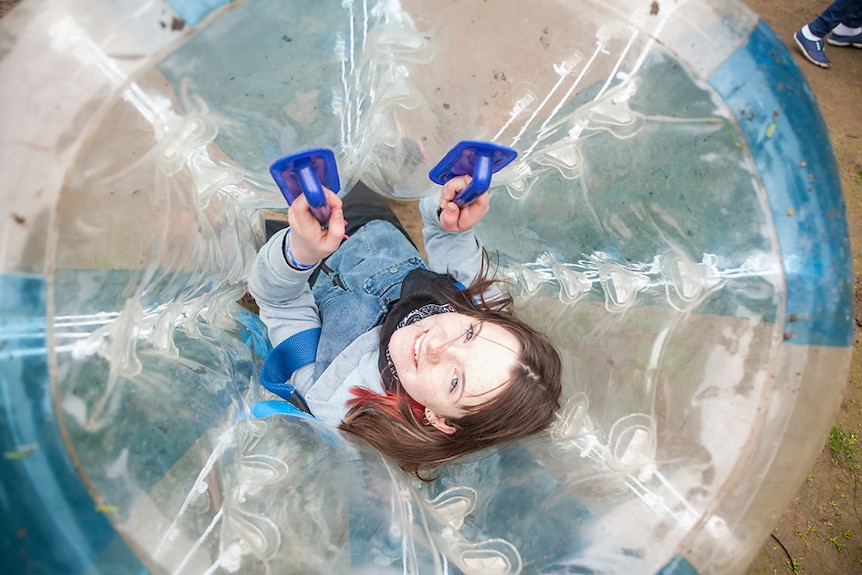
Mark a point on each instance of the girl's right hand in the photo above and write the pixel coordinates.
(309, 242)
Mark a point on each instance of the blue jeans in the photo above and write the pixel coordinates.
(358, 284)
(847, 12)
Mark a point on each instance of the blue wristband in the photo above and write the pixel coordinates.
(291, 261)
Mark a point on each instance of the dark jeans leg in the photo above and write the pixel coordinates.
(832, 16)
(854, 17)
(363, 205)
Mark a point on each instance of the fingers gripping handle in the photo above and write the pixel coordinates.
(480, 183)
(478, 159)
(307, 173)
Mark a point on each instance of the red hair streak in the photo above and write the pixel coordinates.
(389, 403)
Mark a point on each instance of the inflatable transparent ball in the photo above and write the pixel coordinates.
(673, 221)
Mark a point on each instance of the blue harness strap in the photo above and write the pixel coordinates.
(264, 409)
(296, 351)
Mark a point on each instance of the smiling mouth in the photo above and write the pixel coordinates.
(417, 343)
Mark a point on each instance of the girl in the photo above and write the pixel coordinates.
(395, 351)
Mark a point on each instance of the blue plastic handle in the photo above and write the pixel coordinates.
(478, 159)
(305, 173)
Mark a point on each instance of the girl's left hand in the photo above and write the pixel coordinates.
(455, 219)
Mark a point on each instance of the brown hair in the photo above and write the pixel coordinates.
(393, 424)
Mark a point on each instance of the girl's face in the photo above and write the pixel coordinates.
(450, 361)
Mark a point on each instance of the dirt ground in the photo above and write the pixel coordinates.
(821, 533)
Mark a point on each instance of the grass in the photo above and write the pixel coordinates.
(836, 530)
(841, 547)
(845, 449)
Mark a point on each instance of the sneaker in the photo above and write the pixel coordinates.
(839, 40)
(812, 49)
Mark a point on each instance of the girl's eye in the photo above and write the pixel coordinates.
(469, 334)
(453, 384)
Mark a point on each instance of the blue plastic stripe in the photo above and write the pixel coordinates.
(678, 566)
(50, 522)
(790, 145)
(193, 11)
(264, 409)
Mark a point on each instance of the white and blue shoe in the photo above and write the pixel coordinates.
(840, 40)
(812, 49)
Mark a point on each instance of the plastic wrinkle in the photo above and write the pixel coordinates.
(216, 518)
(684, 282)
(455, 504)
(225, 441)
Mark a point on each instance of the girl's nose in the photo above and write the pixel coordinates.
(433, 351)
(437, 348)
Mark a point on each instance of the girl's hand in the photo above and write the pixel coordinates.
(455, 219)
(309, 242)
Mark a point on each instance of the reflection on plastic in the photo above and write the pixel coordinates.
(633, 442)
(491, 557)
(455, 504)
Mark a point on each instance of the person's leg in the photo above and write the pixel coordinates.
(274, 226)
(363, 205)
(832, 17)
(810, 37)
(854, 16)
(849, 31)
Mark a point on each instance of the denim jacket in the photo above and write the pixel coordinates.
(350, 297)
